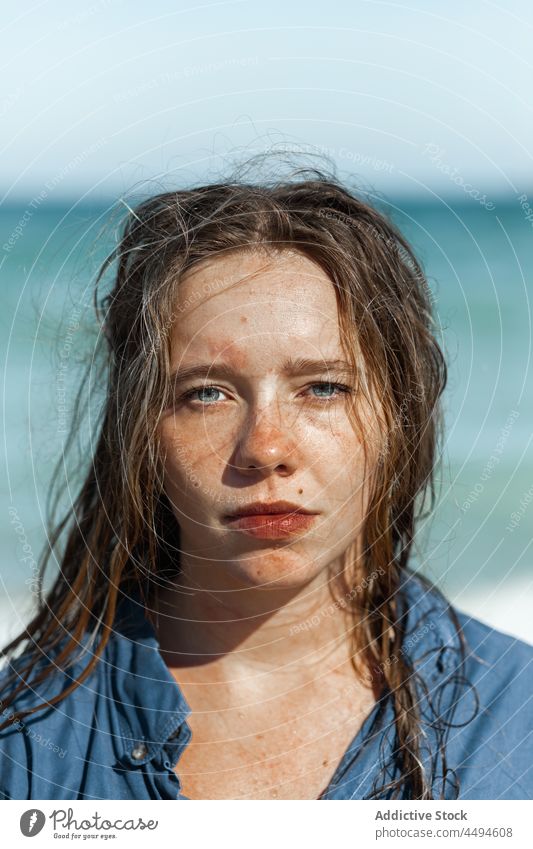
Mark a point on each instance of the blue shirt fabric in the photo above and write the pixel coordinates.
(120, 734)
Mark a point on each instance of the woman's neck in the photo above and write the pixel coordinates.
(241, 630)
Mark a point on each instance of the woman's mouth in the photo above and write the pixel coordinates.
(274, 520)
(273, 525)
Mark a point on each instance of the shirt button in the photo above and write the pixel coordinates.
(139, 751)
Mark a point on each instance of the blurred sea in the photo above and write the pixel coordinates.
(477, 546)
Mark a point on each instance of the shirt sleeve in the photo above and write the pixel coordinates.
(15, 763)
(492, 743)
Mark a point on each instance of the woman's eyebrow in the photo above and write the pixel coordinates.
(291, 367)
(301, 365)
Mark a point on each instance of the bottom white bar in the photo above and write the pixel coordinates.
(269, 824)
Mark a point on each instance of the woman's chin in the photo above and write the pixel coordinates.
(275, 571)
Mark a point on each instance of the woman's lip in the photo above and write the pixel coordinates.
(272, 525)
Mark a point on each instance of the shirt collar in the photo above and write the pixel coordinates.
(431, 641)
(152, 706)
(154, 709)
(432, 645)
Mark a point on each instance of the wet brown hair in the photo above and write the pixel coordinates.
(121, 533)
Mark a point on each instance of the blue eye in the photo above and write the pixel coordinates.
(207, 395)
(340, 388)
(203, 390)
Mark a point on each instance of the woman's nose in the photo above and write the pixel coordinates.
(266, 444)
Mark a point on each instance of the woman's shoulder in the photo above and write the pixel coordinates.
(500, 667)
(491, 647)
(465, 644)
(34, 746)
(495, 750)
(93, 727)
(429, 611)
(129, 636)
(44, 753)
(479, 684)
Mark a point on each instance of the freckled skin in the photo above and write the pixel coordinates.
(261, 436)
(274, 699)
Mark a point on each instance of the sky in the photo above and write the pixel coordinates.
(109, 97)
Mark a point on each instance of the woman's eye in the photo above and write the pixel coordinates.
(340, 389)
(209, 395)
(206, 394)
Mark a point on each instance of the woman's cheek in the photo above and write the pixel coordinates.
(192, 458)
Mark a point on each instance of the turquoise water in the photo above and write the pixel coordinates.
(480, 269)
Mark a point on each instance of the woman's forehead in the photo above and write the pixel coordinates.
(259, 342)
(257, 302)
(240, 273)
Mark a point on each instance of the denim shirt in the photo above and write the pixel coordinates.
(121, 733)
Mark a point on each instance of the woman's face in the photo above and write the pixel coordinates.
(256, 425)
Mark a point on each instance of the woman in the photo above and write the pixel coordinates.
(235, 615)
